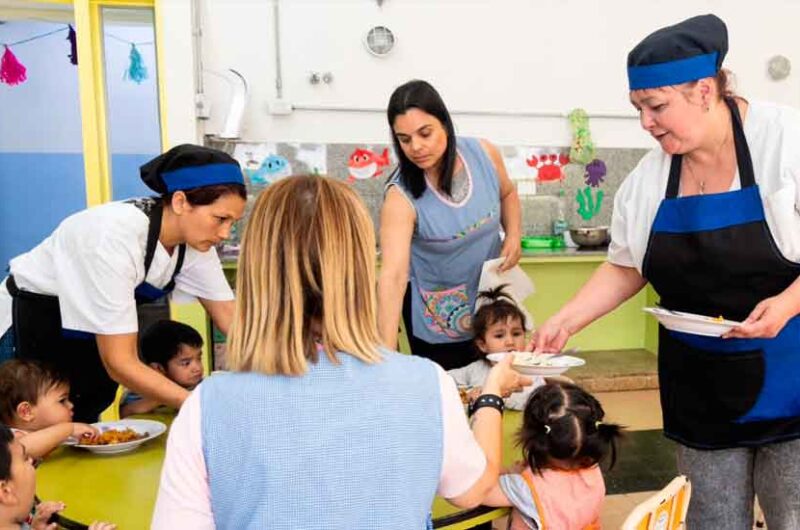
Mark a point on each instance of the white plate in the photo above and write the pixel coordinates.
(544, 364)
(691, 323)
(153, 429)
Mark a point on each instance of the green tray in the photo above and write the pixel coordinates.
(542, 242)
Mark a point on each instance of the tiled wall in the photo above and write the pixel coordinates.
(538, 210)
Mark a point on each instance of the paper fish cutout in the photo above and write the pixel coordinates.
(273, 168)
(365, 164)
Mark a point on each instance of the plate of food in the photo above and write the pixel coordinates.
(534, 363)
(122, 436)
(692, 323)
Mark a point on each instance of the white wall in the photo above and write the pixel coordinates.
(532, 56)
(175, 20)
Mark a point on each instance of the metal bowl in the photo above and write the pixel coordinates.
(590, 237)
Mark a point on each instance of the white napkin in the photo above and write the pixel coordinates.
(519, 286)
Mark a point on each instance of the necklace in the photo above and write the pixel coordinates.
(700, 183)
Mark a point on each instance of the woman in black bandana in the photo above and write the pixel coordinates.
(72, 300)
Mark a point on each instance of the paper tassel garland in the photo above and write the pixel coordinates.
(73, 46)
(12, 72)
(136, 72)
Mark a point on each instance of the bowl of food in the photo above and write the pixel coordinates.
(122, 436)
(594, 236)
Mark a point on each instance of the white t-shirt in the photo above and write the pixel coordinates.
(773, 136)
(93, 262)
(184, 496)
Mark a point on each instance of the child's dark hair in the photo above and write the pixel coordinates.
(499, 308)
(564, 422)
(162, 341)
(24, 380)
(6, 437)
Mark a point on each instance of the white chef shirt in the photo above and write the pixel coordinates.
(773, 136)
(93, 262)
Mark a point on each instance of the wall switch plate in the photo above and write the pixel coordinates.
(279, 107)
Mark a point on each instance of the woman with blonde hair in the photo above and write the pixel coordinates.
(318, 426)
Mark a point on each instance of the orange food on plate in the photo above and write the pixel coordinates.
(115, 436)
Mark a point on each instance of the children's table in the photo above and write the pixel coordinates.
(122, 488)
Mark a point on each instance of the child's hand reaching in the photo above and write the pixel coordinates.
(82, 431)
(44, 511)
(503, 379)
(47, 509)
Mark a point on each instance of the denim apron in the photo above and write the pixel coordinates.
(451, 241)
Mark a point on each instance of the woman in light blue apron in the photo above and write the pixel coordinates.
(709, 219)
(441, 219)
(317, 426)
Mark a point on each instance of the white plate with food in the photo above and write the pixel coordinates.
(122, 436)
(544, 364)
(692, 323)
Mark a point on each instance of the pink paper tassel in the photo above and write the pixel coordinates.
(12, 72)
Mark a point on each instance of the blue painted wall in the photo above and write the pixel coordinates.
(41, 162)
(37, 191)
(125, 176)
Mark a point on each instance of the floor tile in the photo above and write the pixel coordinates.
(637, 410)
(645, 462)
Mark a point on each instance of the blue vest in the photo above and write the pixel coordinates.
(350, 446)
(449, 246)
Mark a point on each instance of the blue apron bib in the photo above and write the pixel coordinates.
(714, 255)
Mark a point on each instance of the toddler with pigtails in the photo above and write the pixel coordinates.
(563, 438)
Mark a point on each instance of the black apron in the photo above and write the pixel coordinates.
(714, 255)
(39, 335)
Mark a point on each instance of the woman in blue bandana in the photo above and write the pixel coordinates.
(709, 219)
(72, 300)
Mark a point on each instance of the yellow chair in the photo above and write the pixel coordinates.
(666, 510)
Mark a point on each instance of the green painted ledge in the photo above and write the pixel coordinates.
(557, 275)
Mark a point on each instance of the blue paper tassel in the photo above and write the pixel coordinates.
(137, 71)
